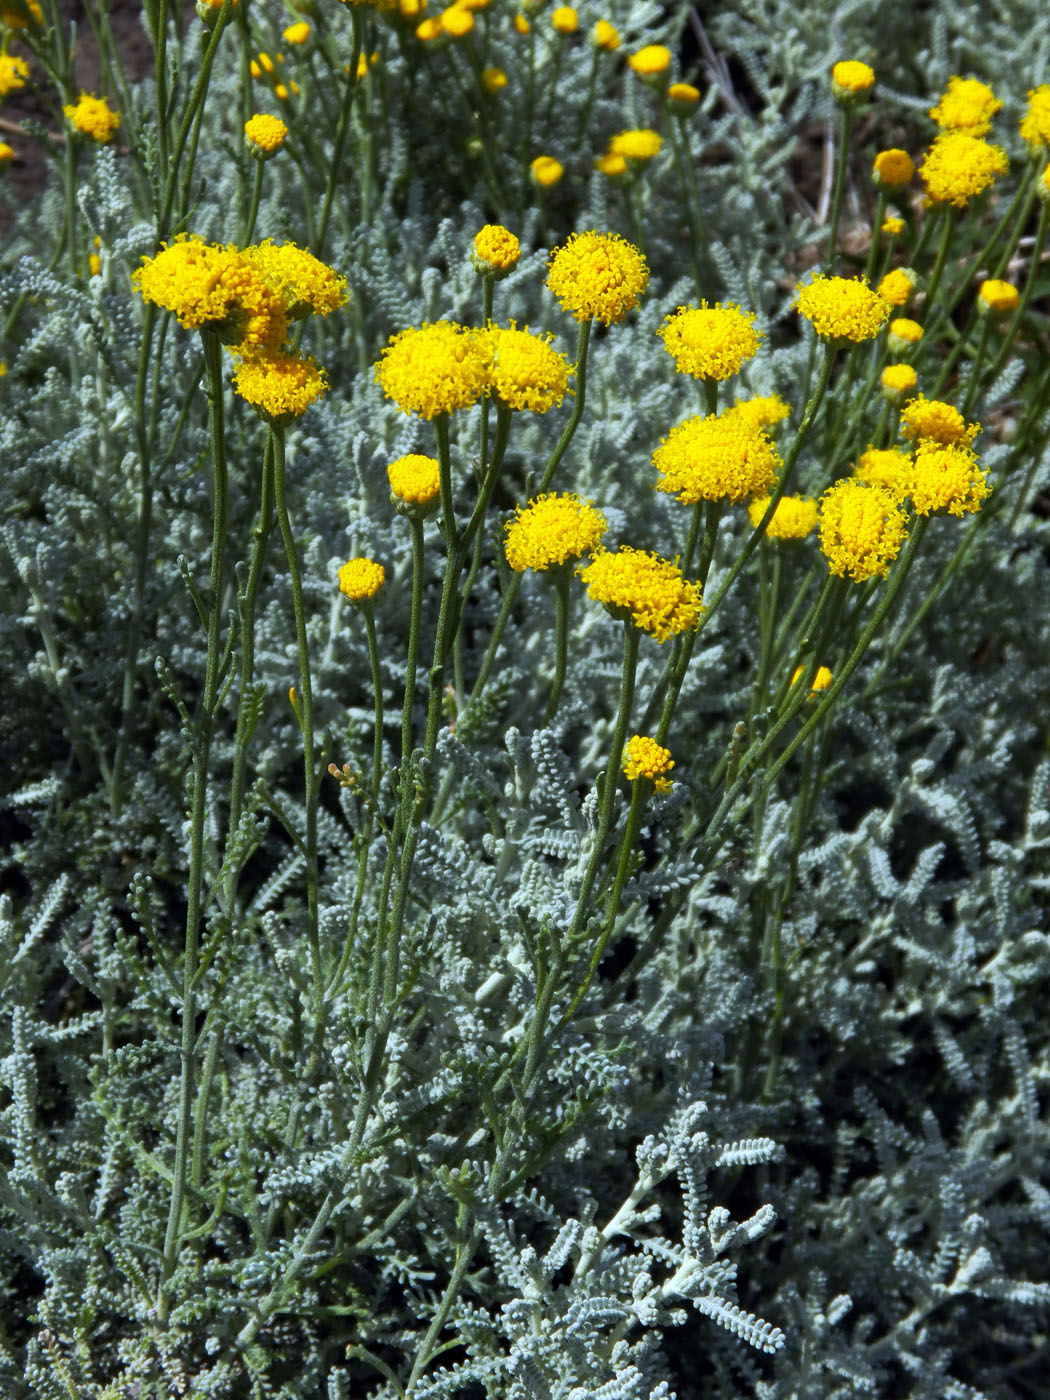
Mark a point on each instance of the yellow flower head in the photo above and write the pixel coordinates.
(611, 165)
(524, 370)
(842, 308)
(92, 116)
(13, 73)
(710, 342)
(850, 79)
(457, 21)
(7, 155)
(716, 458)
(639, 145)
(495, 250)
(898, 286)
(429, 29)
(893, 168)
(551, 530)
(650, 591)
(265, 134)
(280, 386)
(1035, 124)
(546, 171)
(16, 14)
(435, 368)
(493, 79)
(885, 466)
(209, 287)
(521, 25)
(650, 62)
(904, 334)
(862, 529)
(966, 105)
(297, 33)
(597, 276)
(898, 382)
(414, 479)
(306, 284)
(682, 98)
(794, 518)
(821, 678)
(947, 476)
(361, 579)
(937, 421)
(565, 19)
(998, 296)
(605, 36)
(643, 757)
(760, 412)
(892, 226)
(957, 167)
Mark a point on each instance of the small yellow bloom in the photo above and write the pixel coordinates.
(524, 370)
(597, 276)
(16, 14)
(429, 29)
(493, 79)
(794, 518)
(710, 342)
(893, 168)
(431, 369)
(898, 286)
(495, 250)
(7, 155)
(551, 530)
(361, 579)
(1035, 124)
(415, 479)
(92, 116)
(565, 19)
(966, 105)
(636, 145)
(998, 296)
(280, 386)
(214, 288)
(605, 36)
(948, 477)
(643, 757)
(821, 678)
(717, 457)
(885, 466)
(904, 334)
(850, 79)
(94, 264)
(898, 382)
(682, 98)
(13, 73)
(957, 167)
(307, 286)
(641, 587)
(546, 171)
(936, 421)
(265, 134)
(892, 226)
(457, 21)
(842, 308)
(761, 412)
(862, 529)
(650, 62)
(281, 91)
(297, 33)
(266, 63)
(521, 24)
(611, 166)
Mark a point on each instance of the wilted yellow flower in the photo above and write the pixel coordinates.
(948, 477)
(597, 276)
(893, 168)
(966, 105)
(842, 308)
(716, 457)
(957, 167)
(794, 518)
(551, 530)
(643, 757)
(92, 116)
(650, 591)
(710, 342)
(862, 529)
(415, 479)
(524, 370)
(361, 579)
(434, 368)
(546, 171)
(280, 386)
(940, 422)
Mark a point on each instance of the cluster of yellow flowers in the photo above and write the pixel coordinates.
(716, 457)
(643, 757)
(92, 116)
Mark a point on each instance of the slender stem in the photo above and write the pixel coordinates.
(377, 689)
(845, 127)
(415, 523)
(253, 208)
(562, 581)
(341, 132)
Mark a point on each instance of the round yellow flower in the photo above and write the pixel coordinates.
(597, 276)
(415, 479)
(435, 368)
(947, 476)
(546, 171)
(521, 25)
(605, 36)
(821, 678)
(650, 591)
(639, 145)
(936, 421)
(650, 62)
(716, 458)
(842, 308)
(760, 412)
(307, 286)
(551, 530)
(862, 529)
(524, 370)
(682, 98)
(643, 757)
(904, 334)
(889, 467)
(361, 579)
(1035, 124)
(794, 518)
(13, 73)
(265, 134)
(214, 288)
(966, 105)
(611, 165)
(957, 167)
(998, 296)
(297, 33)
(493, 79)
(710, 342)
(429, 29)
(565, 19)
(898, 286)
(850, 79)
(280, 386)
(7, 155)
(495, 250)
(898, 382)
(893, 168)
(92, 116)
(456, 21)
(892, 226)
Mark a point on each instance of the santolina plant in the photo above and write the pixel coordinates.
(526, 792)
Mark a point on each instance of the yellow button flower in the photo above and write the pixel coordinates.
(892, 226)
(524, 370)
(650, 62)
(414, 479)
(893, 168)
(898, 382)
(1035, 124)
(13, 73)
(904, 334)
(862, 529)
(605, 36)
(710, 342)
(280, 386)
(597, 276)
(435, 368)
(214, 288)
(842, 308)
(649, 591)
(92, 116)
(966, 105)
(361, 579)
(306, 284)
(851, 79)
(643, 757)
(957, 167)
(998, 296)
(898, 286)
(565, 19)
(641, 144)
(794, 518)
(948, 477)
(551, 530)
(546, 171)
(937, 421)
(297, 33)
(890, 467)
(720, 457)
(265, 134)
(821, 678)
(495, 250)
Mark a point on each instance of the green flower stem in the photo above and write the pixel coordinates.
(345, 111)
(939, 264)
(198, 815)
(768, 603)
(876, 229)
(679, 663)
(562, 580)
(449, 527)
(377, 688)
(1027, 292)
(592, 89)
(976, 365)
(415, 524)
(253, 207)
(190, 121)
(841, 165)
(311, 770)
(698, 249)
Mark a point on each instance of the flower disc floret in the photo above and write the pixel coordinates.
(434, 368)
(936, 421)
(710, 342)
(795, 517)
(720, 457)
(646, 589)
(92, 116)
(525, 371)
(842, 308)
(280, 386)
(551, 530)
(958, 166)
(1035, 124)
(862, 529)
(948, 477)
(495, 250)
(597, 276)
(966, 105)
(643, 757)
(415, 479)
(361, 579)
